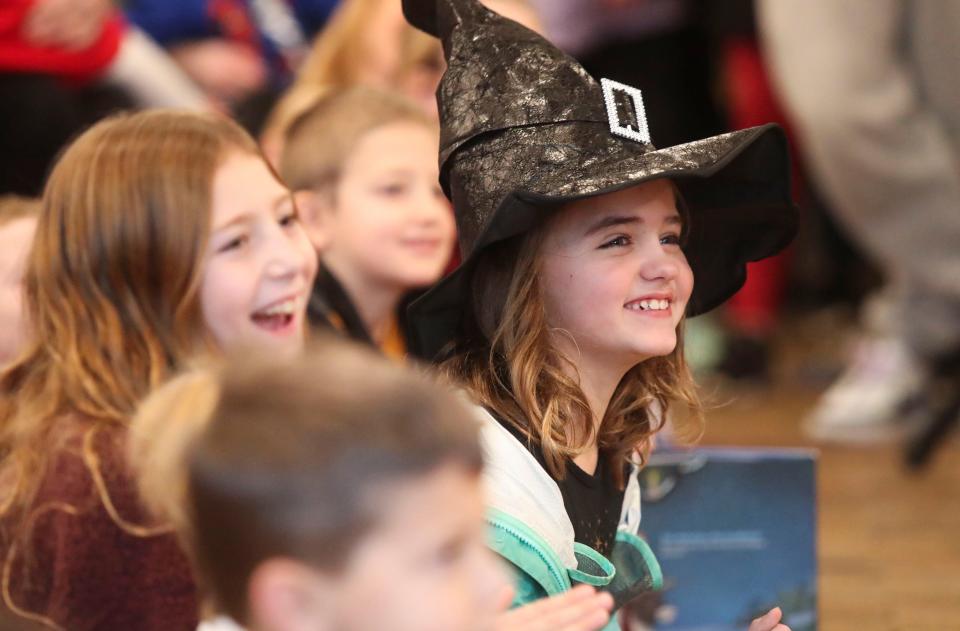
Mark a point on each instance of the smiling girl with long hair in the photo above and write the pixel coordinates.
(161, 236)
(581, 242)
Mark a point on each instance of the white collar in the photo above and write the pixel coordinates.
(515, 483)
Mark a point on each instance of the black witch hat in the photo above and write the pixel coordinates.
(525, 129)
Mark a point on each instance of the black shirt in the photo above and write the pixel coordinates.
(593, 502)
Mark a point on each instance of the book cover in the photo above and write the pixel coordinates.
(735, 533)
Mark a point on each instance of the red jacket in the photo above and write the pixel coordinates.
(16, 55)
(83, 571)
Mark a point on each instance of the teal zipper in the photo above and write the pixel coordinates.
(522, 533)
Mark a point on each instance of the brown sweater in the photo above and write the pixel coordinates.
(84, 571)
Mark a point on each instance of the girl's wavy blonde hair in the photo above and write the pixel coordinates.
(111, 288)
(509, 363)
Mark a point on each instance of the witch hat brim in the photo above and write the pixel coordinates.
(525, 129)
(740, 212)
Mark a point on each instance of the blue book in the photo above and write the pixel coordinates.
(735, 533)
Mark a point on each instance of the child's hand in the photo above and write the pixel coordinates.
(769, 621)
(580, 609)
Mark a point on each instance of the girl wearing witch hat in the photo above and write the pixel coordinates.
(585, 248)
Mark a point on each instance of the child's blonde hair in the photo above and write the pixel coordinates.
(164, 429)
(338, 53)
(336, 58)
(322, 138)
(262, 458)
(335, 61)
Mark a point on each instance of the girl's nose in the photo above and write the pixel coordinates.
(658, 264)
(284, 257)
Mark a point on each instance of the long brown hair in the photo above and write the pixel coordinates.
(510, 365)
(111, 285)
(263, 458)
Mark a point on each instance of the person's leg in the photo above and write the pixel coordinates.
(877, 143)
(880, 147)
(932, 292)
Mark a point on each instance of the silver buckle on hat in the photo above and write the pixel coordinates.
(611, 89)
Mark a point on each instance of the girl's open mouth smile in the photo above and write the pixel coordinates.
(278, 318)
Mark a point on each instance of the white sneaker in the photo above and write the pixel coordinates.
(872, 401)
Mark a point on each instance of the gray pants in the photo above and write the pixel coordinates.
(872, 86)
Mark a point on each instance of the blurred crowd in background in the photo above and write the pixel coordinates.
(863, 307)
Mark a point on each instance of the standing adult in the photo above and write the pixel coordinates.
(872, 87)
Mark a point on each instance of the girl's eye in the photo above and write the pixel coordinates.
(289, 219)
(670, 239)
(234, 244)
(618, 242)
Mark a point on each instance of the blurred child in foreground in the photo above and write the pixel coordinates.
(310, 503)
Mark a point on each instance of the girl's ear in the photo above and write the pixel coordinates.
(316, 214)
(286, 595)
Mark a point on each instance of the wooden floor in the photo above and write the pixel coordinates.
(889, 541)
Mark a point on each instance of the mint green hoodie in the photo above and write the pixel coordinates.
(530, 529)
